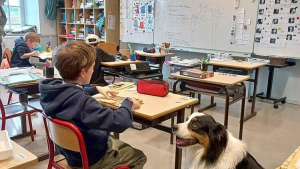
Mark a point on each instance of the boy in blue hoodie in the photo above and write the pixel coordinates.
(65, 99)
(22, 50)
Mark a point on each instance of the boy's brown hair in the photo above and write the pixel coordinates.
(70, 59)
(32, 36)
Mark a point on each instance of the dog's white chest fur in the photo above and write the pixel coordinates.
(233, 154)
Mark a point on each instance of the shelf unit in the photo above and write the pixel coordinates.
(65, 26)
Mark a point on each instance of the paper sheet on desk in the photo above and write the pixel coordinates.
(45, 56)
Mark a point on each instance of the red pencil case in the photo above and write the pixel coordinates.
(153, 87)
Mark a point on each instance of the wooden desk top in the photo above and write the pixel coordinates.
(153, 55)
(119, 63)
(218, 79)
(20, 159)
(236, 64)
(154, 107)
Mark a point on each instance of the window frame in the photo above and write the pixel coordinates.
(22, 13)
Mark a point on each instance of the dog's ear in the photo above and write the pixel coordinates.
(218, 139)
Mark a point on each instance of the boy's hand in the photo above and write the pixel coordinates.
(35, 53)
(135, 103)
(105, 92)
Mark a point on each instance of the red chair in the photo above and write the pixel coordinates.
(56, 132)
(17, 110)
(8, 55)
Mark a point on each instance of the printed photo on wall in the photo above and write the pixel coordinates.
(277, 1)
(272, 41)
(293, 10)
(262, 1)
(291, 20)
(257, 39)
(294, 1)
(291, 29)
(276, 11)
(258, 30)
(261, 11)
(260, 21)
(275, 21)
(274, 31)
(289, 37)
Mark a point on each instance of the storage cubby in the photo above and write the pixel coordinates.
(78, 19)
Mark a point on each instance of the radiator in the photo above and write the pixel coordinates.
(9, 42)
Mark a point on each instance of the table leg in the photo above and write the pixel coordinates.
(226, 107)
(253, 113)
(178, 154)
(242, 114)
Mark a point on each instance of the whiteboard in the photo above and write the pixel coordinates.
(202, 24)
(127, 34)
(274, 36)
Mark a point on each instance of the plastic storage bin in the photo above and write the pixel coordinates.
(5, 145)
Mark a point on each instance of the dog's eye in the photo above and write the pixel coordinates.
(195, 125)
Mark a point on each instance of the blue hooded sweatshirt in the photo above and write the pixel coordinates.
(19, 50)
(69, 102)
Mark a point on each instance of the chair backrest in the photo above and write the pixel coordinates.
(65, 135)
(125, 52)
(8, 54)
(110, 47)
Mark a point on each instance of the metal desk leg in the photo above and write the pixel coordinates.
(242, 114)
(253, 113)
(226, 107)
(178, 154)
(23, 99)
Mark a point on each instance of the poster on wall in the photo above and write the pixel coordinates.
(277, 23)
(142, 16)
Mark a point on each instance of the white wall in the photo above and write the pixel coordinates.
(286, 80)
(35, 15)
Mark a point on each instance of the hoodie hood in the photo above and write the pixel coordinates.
(54, 89)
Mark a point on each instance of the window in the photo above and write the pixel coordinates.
(13, 10)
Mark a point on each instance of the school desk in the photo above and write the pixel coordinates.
(20, 158)
(219, 81)
(247, 68)
(152, 115)
(26, 89)
(160, 58)
(270, 84)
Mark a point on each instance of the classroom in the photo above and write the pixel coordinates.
(149, 84)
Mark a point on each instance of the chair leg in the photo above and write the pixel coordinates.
(30, 126)
(3, 123)
(172, 135)
(114, 80)
(9, 98)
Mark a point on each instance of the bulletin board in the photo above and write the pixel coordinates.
(137, 21)
(278, 28)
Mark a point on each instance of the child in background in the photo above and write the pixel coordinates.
(22, 50)
(101, 56)
(65, 99)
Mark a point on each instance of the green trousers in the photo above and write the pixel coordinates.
(120, 154)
